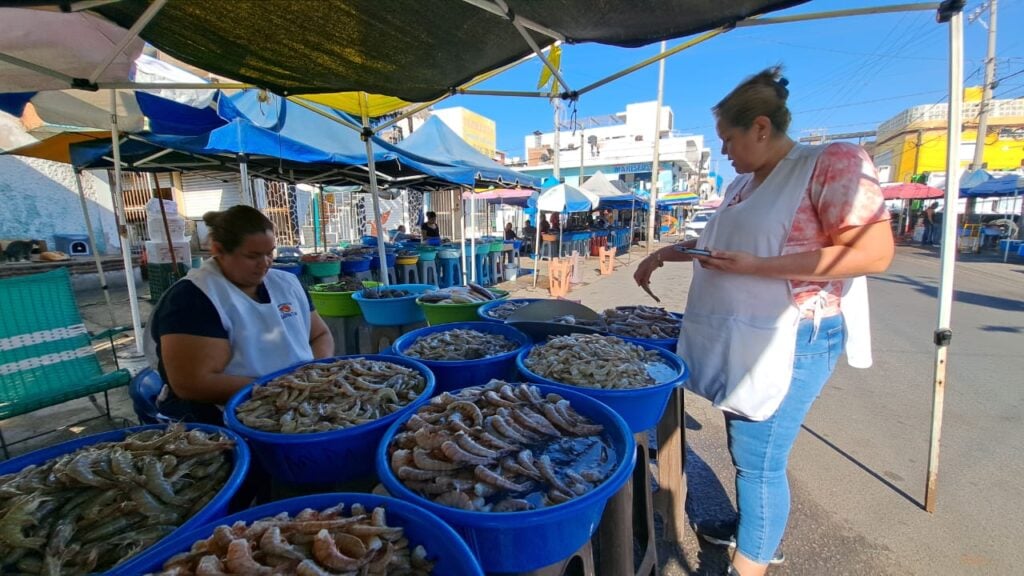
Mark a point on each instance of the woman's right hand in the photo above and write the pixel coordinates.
(642, 275)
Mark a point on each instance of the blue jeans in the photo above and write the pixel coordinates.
(760, 450)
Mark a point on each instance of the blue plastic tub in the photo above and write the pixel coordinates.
(484, 311)
(354, 266)
(214, 509)
(322, 457)
(514, 542)
(455, 374)
(368, 240)
(641, 408)
(443, 545)
(433, 241)
(394, 311)
(666, 343)
(389, 258)
(295, 269)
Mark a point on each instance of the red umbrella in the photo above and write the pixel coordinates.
(910, 191)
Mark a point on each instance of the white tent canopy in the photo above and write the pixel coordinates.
(566, 198)
(79, 45)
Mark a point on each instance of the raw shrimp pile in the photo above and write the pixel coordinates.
(593, 361)
(503, 311)
(641, 322)
(90, 510)
(500, 448)
(459, 344)
(326, 396)
(312, 543)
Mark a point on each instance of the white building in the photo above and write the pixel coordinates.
(621, 145)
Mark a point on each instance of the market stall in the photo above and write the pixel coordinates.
(226, 42)
(1003, 186)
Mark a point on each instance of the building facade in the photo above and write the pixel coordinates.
(914, 141)
(621, 146)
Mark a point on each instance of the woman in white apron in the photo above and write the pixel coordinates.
(782, 294)
(231, 320)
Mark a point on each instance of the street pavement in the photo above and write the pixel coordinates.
(858, 468)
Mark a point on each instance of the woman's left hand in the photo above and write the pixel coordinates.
(731, 262)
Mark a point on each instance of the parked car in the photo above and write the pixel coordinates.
(695, 225)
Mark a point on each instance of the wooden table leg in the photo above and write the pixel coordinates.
(670, 500)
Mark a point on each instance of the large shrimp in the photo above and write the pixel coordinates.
(19, 516)
(326, 552)
(240, 561)
(155, 482)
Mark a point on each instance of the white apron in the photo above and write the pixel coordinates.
(264, 338)
(739, 333)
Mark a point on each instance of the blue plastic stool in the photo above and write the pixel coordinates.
(374, 274)
(483, 274)
(451, 272)
(428, 271)
(408, 274)
(496, 267)
(547, 248)
(143, 390)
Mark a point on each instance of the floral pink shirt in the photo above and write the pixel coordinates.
(843, 193)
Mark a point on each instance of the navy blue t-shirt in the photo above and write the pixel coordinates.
(185, 309)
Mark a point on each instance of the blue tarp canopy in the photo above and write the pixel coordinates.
(279, 140)
(437, 141)
(624, 202)
(1007, 185)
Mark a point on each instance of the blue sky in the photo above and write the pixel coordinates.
(846, 75)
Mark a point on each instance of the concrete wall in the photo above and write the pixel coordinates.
(39, 198)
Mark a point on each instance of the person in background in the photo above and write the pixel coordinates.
(545, 226)
(555, 220)
(510, 234)
(430, 229)
(931, 225)
(772, 308)
(230, 321)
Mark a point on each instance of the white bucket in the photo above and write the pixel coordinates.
(511, 272)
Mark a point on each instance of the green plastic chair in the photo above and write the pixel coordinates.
(46, 353)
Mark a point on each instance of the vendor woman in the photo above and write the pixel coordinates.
(231, 320)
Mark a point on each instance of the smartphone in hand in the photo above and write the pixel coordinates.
(693, 251)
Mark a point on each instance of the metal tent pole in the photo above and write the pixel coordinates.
(472, 239)
(122, 227)
(536, 245)
(632, 219)
(1009, 218)
(943, 333)
(371, 165)
(462, 237)
(656, 164)
(92, 242)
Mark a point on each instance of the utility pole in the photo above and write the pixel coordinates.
(986, 93)
(652, 212)
(554, 157)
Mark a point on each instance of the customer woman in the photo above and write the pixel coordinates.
(231, 320)
(770, 310)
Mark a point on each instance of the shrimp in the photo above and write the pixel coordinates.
(326, 552)
(17, 517)
(272, 543)
(153, 473)
(240, 561)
